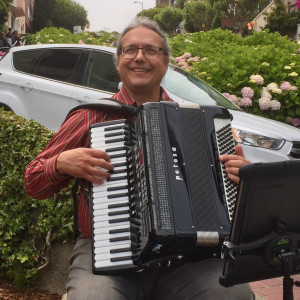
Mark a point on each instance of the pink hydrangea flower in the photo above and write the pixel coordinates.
(257, 79)
(246, 102)
(178, 59)
(196, 58)
(293, 88)
(227, 95)
(233, 99)
(186, 55)
(247, 92)
(275, 105)
(266, 94)
(264, 103)
(295, 122)
(285, 86)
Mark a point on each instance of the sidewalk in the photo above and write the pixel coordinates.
(272, 289)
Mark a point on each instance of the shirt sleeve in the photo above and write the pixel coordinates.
(41, 177)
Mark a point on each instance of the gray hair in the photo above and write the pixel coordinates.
(150, 24)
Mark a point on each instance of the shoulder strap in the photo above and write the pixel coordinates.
(105, 104)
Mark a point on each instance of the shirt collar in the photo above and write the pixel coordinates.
(124, 97)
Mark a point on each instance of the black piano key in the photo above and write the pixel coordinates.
(116, 188)
(117, 178)
(118, 171)
(117, 195)
(121, 164)
(122, 139)
(118, 205)
(119, 220)
(116, 155)
(120, 212)
(115, 259)
(121, 238)
(120, 250)
(108, 150)
(120, 230)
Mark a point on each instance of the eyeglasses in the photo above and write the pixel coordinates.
(148, 51)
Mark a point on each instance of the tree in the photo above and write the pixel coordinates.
(68, 14)
(149, 13)
(198, 15)
(282, 21)
(239, 11)
(169, 18)
(42, 14)
(4, 4)
(61, 13)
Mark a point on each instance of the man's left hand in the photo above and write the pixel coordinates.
(233, 162)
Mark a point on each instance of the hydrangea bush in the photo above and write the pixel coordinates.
(53, 35)
(260, 73)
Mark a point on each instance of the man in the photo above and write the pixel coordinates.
(142, 60)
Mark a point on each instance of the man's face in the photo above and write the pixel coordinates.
(141, 73)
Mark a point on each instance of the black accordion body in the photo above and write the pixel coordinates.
(169, 195)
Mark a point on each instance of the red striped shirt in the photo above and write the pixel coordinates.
(41, 178)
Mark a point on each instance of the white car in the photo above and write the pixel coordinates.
(44, 82)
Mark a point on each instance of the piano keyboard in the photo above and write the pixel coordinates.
(115, 222)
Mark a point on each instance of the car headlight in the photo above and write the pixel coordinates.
(256, 139)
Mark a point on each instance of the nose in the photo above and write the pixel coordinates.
(140, 54)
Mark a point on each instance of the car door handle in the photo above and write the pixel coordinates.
(82, 99)
(26, 87)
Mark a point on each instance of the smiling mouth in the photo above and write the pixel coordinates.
(139, 70)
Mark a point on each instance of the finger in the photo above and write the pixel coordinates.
(234, 178)
(239, 150)
(97, 153)
(101, 163)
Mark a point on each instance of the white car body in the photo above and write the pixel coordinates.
(48, 100)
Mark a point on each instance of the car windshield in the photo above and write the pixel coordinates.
(188, 87)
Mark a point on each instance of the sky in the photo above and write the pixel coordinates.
(113, 15)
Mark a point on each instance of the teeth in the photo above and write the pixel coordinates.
(140, 70)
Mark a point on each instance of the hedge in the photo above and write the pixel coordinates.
(27, 226)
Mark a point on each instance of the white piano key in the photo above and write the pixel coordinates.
(101, 206)
(108, 263)
(109, 244)
(107, 249)
(107, 236)
(103, 194)
(109, 256)
(108, 127)
(103, 145)
(105, 230)
(105, 223)
(112, 201)
(100, 219)
(101, 212)
(102, 133)
(100, 187)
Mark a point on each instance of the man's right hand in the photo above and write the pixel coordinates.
(90, 164)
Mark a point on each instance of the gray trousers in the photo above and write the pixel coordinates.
(184, 281)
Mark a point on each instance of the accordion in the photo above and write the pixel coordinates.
(168, 196)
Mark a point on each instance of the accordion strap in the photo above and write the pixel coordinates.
(105, 104)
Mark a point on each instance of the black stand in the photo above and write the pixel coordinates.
(287, 260)
(280, 252)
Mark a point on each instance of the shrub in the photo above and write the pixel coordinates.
(228, 62)
(26, 223)
(53, 35)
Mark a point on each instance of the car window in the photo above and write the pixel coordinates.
(101, 72)
(190, 88)
(58, 64)
(24, 61)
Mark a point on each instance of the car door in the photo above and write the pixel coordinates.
(46, 94)
(100, 78)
